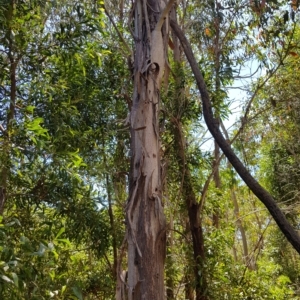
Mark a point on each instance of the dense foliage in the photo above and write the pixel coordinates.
(65, 92)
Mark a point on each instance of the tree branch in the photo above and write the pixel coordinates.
(212, 124)
(118, 31)
(163, 15)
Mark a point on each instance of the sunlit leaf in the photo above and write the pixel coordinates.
(5, 278)
(61, 231)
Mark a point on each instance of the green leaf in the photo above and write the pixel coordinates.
(77, 292)
(24, 239)
(61, 231)
(33, 139)
(15, 279)
(55, 254)
(66, 241)
(30, 108)
(35, 126)
(64, 287)
(52, 274)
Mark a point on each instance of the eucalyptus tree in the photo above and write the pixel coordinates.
(146, 225)
(145, 221)
(62, 116)
(182, 113)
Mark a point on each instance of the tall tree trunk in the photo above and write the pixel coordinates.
(145, 218)
(188, 192)
(193, 213)
(189, 271)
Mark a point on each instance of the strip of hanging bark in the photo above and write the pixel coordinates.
(212, 124)
(121, 274)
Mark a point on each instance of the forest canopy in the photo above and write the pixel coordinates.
(149, 149)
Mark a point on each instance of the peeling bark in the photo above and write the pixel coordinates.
(145, 220)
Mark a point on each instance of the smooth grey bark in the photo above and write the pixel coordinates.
(212, 124)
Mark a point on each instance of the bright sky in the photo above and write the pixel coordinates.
(238, 96)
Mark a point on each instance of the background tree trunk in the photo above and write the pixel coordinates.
(192, 206)
(188, 193)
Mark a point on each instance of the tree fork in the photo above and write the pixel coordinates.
(264, 196)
